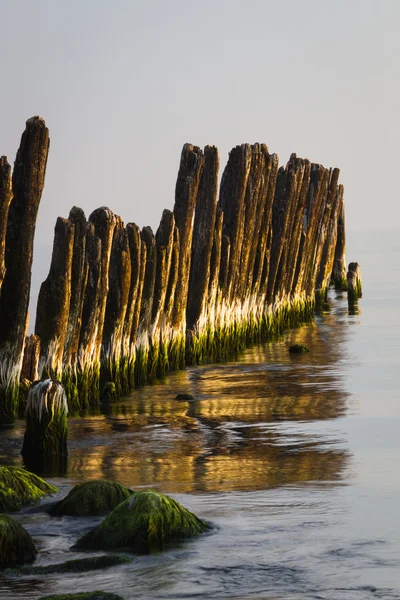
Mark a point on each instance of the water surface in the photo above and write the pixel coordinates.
(293, 458)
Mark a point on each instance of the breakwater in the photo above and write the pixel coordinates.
(232, 263)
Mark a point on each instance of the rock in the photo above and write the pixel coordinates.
(91, 499)
(18, 487)
(16, 545)
(298, 349)
(77, 565)
(184, 397)
(145, 522)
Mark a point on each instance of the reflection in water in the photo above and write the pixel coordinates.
(232, 435)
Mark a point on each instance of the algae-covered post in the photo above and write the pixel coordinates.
(127, 348)
(88, 371)
(164, 250)
(354, 283)
(120, 306)
(117, 303)
(79, 273)
(143, 337)
(339, 265)
(27, 186)
(46, 422)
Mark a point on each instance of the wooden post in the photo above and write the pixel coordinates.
(54, 300)
(354, 283)
(119, 276)
(27, 186)
(339, 265)
(5, 199)
(46, 422)
(79, 274)
(203, 231)
(186, 189)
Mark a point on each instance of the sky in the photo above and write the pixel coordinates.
(122, 85)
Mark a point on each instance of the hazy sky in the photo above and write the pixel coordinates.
(124, 84)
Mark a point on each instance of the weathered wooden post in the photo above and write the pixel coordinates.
(46, 422)
(79, 273)
(30, 364)
(117, 302)
(187, 185)
(135, 341)
(52, 311)
(164, 249)
(328, 251)
(232, 203)
(262, 261)
(27, 186)
(5, 199)
(203, 231)
(339, 265)
(324, 242)
(354, 283)
(88, 367)
(134, 299)
(143, 339)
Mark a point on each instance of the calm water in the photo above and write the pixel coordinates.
(294, 459)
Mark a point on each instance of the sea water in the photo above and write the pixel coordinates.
(294, 459)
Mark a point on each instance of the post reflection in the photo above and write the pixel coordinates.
(236, 434)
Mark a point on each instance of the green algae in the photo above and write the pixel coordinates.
(91, 498)
(144, 523)
(77, 565)
(97, 595)
(16, 545)
(19, 487)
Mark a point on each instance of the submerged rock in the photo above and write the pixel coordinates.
(184, 397)
(19, 487)
(97, 595)
(77, 565)
(298, 349)
(91, 499)
(16, 545)
(145, 522)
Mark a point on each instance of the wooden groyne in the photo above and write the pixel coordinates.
(229, 265)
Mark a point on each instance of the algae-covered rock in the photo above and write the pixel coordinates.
(145, 522)
(16, 546)
(97, 595)
(298, 349)
(77, 565)
(91, 499)
(19, 487)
